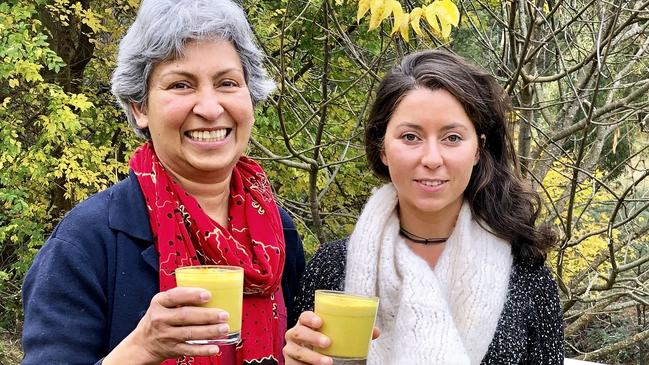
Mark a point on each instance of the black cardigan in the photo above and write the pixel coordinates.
(530, 328)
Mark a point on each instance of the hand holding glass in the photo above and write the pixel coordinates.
(226, 285)
(348, 321)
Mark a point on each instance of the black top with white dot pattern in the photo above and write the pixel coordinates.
(530, 329)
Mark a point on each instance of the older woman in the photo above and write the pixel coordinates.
(450, 243)
(102, 288)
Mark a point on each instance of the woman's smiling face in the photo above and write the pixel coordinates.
(199, 111)
(430, 148)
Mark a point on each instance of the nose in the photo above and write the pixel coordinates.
(207, 105)
(432, 155)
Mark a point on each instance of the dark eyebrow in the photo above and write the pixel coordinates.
(443, 129)
(410, 125)
(454, 126)
(191, 75)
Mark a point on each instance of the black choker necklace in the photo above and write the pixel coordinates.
(417, 239)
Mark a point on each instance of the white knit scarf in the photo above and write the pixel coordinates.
(446, 315)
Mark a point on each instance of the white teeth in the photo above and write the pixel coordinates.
(431, 183)
(207, 136)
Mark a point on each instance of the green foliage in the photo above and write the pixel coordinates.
(302, 96)
(57, 146)
(24, 52)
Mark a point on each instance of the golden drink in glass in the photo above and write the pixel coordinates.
(226, 285)
(348, 321)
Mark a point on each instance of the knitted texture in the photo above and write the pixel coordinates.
(530, 329)
(458, 303)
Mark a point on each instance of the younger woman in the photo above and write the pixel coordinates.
(449, 244)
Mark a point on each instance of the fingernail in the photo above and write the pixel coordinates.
(224, 316)
(224, 329)
(324, 341)
(205, 296)
(327, 361)
(314, 322)
(214, 350)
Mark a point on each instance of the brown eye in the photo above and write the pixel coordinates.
(179, 85)
(409, 137)
(229, 83)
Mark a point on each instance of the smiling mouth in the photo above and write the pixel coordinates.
(432, 183)
(208, 136)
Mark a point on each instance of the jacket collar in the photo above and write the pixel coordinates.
(127, 212)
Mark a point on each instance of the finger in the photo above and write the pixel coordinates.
(187, 316)
(194, 333)
(310, 320)
(195, 350)
(300, 354)
(289, 361)
(307, 337)
(181, 296)
(376, 332)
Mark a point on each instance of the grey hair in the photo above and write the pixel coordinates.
(160, 32)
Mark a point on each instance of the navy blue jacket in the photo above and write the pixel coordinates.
(94, 278)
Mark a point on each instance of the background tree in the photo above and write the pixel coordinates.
(576, 71)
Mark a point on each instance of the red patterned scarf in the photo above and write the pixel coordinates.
(184, 235)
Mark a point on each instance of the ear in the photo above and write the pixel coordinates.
(383, 158)
(483, 143)
(141, 118)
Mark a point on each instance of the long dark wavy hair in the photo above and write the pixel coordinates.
(496, 192)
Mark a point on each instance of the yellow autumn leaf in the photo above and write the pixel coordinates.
(363, 7)
(442, 15)
(77, 8)
(80, 101)
(448, 15)
(431, 18)
(415, 18)
(388, 8)
(13, 83)
(404, 27)
(379, 12)
(397, 10)
(448, 12)
(30, 70)
(90, 19)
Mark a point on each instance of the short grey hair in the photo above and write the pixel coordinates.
(160, 32)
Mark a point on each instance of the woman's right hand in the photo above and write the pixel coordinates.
(173, 317)
(303, 338)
